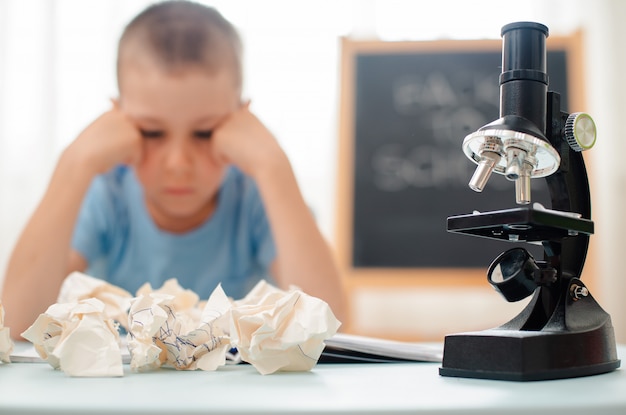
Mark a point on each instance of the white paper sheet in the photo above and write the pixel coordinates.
(276, 330)
(78, 286)
(160, 334)
(78, 339)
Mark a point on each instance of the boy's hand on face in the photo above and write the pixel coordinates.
(242, 139)
(111, 139)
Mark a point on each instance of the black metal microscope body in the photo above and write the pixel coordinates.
(563, 332)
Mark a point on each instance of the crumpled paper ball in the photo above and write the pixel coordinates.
(78, 338)
(6, 344)
(183, 299)
(276, 330)
(163, 330)
(78, 286)
(186, 302)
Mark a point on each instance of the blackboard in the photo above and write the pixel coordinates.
(409, 109)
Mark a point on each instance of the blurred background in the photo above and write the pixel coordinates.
(57, 73)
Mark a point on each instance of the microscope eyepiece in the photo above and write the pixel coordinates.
(523, 52)
(524, 151)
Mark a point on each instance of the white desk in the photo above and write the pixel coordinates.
(400, 388)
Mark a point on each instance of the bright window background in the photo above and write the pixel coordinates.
(57, 74)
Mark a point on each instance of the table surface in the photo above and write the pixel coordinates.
(401, 388)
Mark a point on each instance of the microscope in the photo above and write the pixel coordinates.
(562, 332)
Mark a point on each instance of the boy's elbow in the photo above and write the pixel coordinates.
(15, 326)
(15, 316)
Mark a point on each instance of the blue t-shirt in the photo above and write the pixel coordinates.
(122, 244)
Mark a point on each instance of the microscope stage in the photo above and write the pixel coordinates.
(524, 224)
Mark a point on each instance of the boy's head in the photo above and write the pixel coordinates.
(177, 36)
(179, 75)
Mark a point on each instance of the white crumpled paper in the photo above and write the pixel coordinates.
(78, 286)
(276, 330)
(184, 300)
(78, 338)
(166, 328)
(6, 344)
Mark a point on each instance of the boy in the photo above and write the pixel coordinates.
(178, 180)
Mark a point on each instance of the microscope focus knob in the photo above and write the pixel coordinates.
(580, 131)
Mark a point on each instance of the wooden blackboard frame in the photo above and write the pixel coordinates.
(350, 50)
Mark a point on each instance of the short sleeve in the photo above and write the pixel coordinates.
(95, 219)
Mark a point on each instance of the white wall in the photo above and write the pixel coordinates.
(606, 93)
(48, 93)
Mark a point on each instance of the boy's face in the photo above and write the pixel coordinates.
(176, 114)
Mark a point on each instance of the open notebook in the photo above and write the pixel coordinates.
(345, 348)
(341, 348)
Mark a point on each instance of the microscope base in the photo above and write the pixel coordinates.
(529, 355)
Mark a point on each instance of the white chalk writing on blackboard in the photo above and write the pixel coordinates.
(397, 168)
(451, 114)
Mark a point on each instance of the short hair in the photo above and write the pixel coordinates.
(179, 34)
